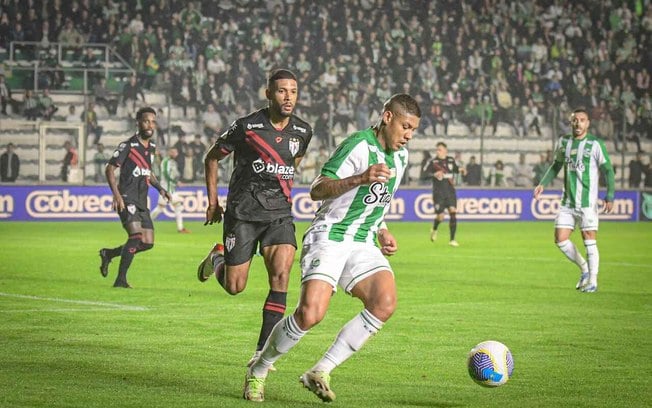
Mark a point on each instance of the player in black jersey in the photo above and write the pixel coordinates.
(443, 169)
(134, 157)
(268, 145)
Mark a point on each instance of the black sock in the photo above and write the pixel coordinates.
(435, 225)
(112, 253)
(453, 225)
(126, 256)
(142, 247)
(272, 313)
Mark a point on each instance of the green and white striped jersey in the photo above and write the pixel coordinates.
(581, 161)
(357, 214)
(169, 174)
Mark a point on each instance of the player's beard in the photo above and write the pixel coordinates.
(145, 135)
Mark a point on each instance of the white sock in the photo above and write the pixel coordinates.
(570, 250)
(156, 211)
(349, 340)
(285, 335)
(177, 215)
(593, 256)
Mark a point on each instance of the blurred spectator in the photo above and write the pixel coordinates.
(541, 168)
(131, 91)
(9, 164)
(522, 173)
(46, 105)
(72, 116)
(184, 95)
(188, 172)
(89, 117)
(647, 170)
(212, 122)
(162, 127)
(31, 109)
(636, 169)
(198, 150)
(5, 97)
(100, 158)
(70, 160)
(496, 177)
(103, 97)
(182, 146)
(473, 173)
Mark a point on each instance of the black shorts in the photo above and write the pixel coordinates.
(242, 238)
(131, 213)
(443, 200)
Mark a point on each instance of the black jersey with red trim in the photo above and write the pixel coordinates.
(135, 162)
(450, 169)
(263, 172)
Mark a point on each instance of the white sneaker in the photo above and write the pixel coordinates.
(255, 357)
(584, 280)
(453, 243)
(590, 288)
(433, 235)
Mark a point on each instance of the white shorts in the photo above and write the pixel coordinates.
(586, 218)
(341, 263)
(176, 199)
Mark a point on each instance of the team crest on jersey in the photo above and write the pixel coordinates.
(294, 145)
(131, 208)
(229, 242)
(314, 263)
(278, 139)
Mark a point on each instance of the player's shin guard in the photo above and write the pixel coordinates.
(452, 224)
(349, 340)
(570, 250)
(593, 258)
(273, 312)
(285, 335)
(129, 249)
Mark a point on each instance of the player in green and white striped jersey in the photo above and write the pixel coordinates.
(582, 156)
(169, 178)
(339, 248)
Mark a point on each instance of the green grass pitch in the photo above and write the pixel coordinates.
(68, 339)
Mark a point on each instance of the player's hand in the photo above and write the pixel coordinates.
(439, 175)
(608, 206)
(388, 245)
(537, 191)
(378, 172)
(167, 195)
(118, 204)
(213, 214)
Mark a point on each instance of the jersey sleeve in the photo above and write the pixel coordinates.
(307, 139)
(604, 162)
(120, 154)
(234, 135)
(346, 161)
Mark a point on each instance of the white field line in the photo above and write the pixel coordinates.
(527, 259)
(102, 305)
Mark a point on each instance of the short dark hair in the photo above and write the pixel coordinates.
(581, 110)
(402, 103)
(280, 73)
(144, 110)
(441, 144)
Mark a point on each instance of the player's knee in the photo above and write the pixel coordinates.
(384, 306)
(308, 316)
(234, 284)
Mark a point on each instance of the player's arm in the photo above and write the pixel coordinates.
(549, 175)
(153, 181)
(609, 175)
(109, 172)
(213, 156)
(324, 188)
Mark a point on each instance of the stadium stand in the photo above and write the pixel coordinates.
(525, 64)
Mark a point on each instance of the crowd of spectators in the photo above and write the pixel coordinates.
(481, 62)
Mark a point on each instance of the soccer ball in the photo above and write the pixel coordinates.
(490, 363)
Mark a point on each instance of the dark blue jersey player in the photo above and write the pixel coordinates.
(134, 157)
(267, 146)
